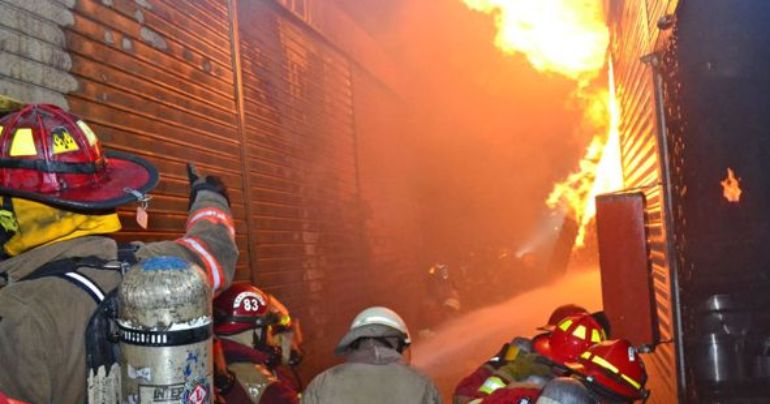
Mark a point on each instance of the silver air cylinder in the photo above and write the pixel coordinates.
(165, 333)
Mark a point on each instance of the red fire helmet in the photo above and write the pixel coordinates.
(614, 368)
(240, 308)
(51, 156)
(562, 312)
(570, 338)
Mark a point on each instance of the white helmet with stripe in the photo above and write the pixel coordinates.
(375, 322)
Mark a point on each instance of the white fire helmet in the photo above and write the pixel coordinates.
(375, 322)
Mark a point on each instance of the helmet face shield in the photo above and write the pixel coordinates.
(286, 339)
(245, 307)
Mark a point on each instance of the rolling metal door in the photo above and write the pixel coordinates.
(302, 170)
(155, 78)
(634, 36)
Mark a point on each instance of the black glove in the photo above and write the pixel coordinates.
(224, 381)
(498, 360)
(205, 183)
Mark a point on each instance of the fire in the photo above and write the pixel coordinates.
(731, 187)
(600, 171)
(568, 37)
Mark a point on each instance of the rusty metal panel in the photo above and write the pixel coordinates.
(302, 168)
(155, 78)
(627, 291)
(634, 35)
(274, 118)
(390, 217)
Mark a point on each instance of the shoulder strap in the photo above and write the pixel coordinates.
(66, 269)
(127, 253)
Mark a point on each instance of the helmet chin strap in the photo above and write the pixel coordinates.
(256, 338)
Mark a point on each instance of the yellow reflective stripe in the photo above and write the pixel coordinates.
(603, 363)
(585, 355)
(580, 332)
(90, 135)
(8, 221)
(23, 144)
(564, 325)
(595, 336)
(491, 384)
(511, 353)
(1, 129)
(285, 320)
(476, 401)
(633, 382)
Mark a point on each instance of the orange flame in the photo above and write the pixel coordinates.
(731, 187)
(600, 170)
(568, 37)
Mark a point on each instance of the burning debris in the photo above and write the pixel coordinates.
(731, 187)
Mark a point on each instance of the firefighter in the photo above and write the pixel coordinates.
(60, 190)
(608, 372)
(552, 352)
(377, 366)
(612, 371)
(561, 390)
(441, 301)
(469, 386)
(256, 336)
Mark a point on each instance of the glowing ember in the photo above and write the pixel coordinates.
(731, 187)
(567, 37)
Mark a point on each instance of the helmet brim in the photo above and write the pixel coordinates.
(576, 368)
(542, 345)
(124, 171)
(367, 331)
(627, 392)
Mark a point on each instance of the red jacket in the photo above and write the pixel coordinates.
(469, 386)
(514, 395)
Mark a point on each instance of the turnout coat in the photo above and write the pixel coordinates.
(375, 375)
(43, 321)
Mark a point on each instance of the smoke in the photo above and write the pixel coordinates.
(489, 132)
(463, 344)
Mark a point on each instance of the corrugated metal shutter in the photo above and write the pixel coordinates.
(303, 172)
(388, 196)
(634, 37)
(155, 78)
